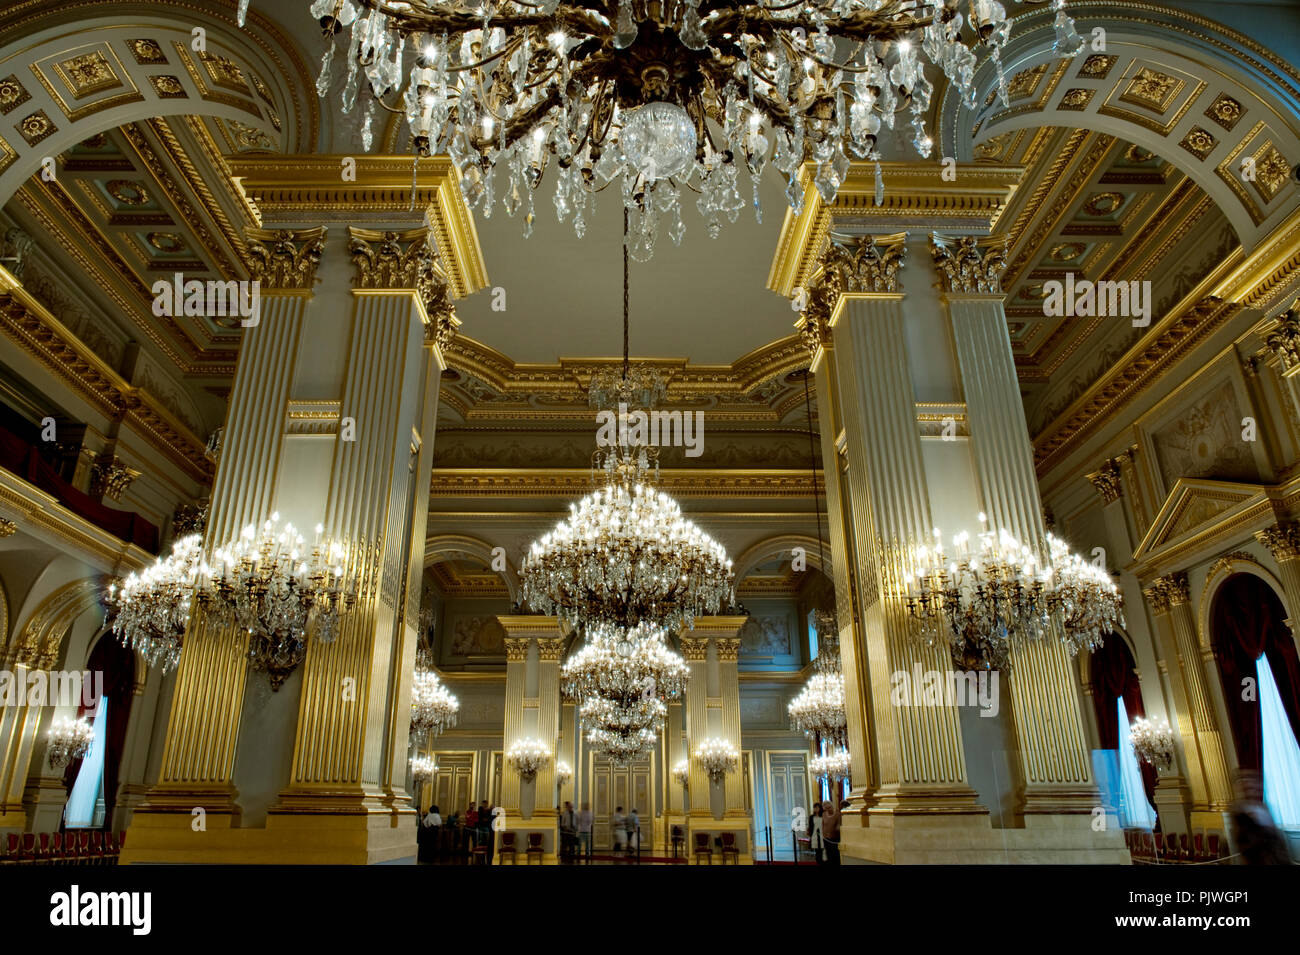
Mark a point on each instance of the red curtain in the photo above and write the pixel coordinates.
(1248, 620)
(1114, 676)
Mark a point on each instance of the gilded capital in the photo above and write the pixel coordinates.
(110, 478)
(1283, 339)
(969, 265)
(865, 263)
(285, 258)
(728, 649)
(1108, 482)
(190, 519)
(7, 528)
(695, 648)
(516, 649)
(1282, 540)
(406, 260)
(550, 649)
(1167, 592)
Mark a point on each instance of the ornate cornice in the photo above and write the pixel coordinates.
(969, 265)
(1282, 540)
(284, 259)
(571, 482)
(1108, 481)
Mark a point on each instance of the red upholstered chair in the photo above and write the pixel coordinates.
(1215, 852)
(97, 847)
(11, 848)
(702, 847)
(729, 848)
(508, 847)
(678, 840)
(27, 851)
(534, 849)
(1185, 847)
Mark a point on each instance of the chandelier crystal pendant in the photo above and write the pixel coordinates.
(151, 609)
(271, 585)
(434, 709)
(717, 757)
(981, 600)
(834, 767)
(658, 95)
(527, 757)
(1153, 742)
(68, 740)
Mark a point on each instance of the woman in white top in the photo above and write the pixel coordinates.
(815, 841)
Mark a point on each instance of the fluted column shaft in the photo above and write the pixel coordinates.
(728, 650)
(1054, 752)
(549, 651)
(696, 652)
(517, 650)
(918, 749)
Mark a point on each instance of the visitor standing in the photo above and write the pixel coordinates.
(585, 820)
(618, 830)
(816, 842)
(831, 832)
(633, 830)
(431, 833)
(568, 831)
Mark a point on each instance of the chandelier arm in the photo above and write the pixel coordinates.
(520, 125)
(505, 50)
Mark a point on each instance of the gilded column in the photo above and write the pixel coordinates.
(1283, 542)
(549, 652)
(696, 652)
(1055, 758)
(1203, 745)
(918, 749)
(516, 684)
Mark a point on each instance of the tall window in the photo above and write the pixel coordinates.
(80, 811)
(1281, 752)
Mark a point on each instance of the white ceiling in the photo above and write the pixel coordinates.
(705, 300)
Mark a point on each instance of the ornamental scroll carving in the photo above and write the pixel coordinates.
(1283, 340)
(1108, 481)
(859, 264)
(285, 258)
(969, 265)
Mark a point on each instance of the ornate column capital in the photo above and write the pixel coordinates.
(517, 649)
(190, 519)
(284, 259)
(109, 477)
(1282, 540)
(7, 528)
(550, 649)
(695, 649)
(728, 649)
(408, 259)
(850, 264)
(1283, 339)
(1168, 592)
(1108, 481)
(970, 265)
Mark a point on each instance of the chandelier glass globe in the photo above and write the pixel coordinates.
(658, 140)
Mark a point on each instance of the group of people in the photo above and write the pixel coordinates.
(575, 831)
(473, 828)
(824, 831)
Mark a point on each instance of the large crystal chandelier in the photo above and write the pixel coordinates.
(68, 740)
(434, 709)
(527, 757)
(833, 767)
(818, 710)
(717, 757)
(152, 608)
(1153, 742)
(281, 592)
(982, 599)
(423, 769)
(659, 95)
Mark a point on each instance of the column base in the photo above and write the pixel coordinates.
(970, 839)
(1041, 800)
(919, 801)
(43, 802)
(289, 839)
(1172, 798)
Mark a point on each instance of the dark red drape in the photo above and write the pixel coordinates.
(1247, 621)
(1114, 676)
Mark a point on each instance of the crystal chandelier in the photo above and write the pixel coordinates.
(423, 769)
(659, 95)
(980, 601)
(69, 740)
(717, 757)
(818, 710)
(152, 608)
(527, 756)
(833, 768)
(282, 593)
(1153, 742)
(563, 773)
(434, 709)
(682, 772)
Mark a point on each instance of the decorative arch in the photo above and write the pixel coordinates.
(1195, 92)
(779, 546)
(462, 545)
(127, 61)
(1238, 562)
(40, 644)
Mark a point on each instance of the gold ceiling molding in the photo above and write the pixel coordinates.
(312, 188)
(30, 326)
(567, 483)
(1148, 360)
(916, 198)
